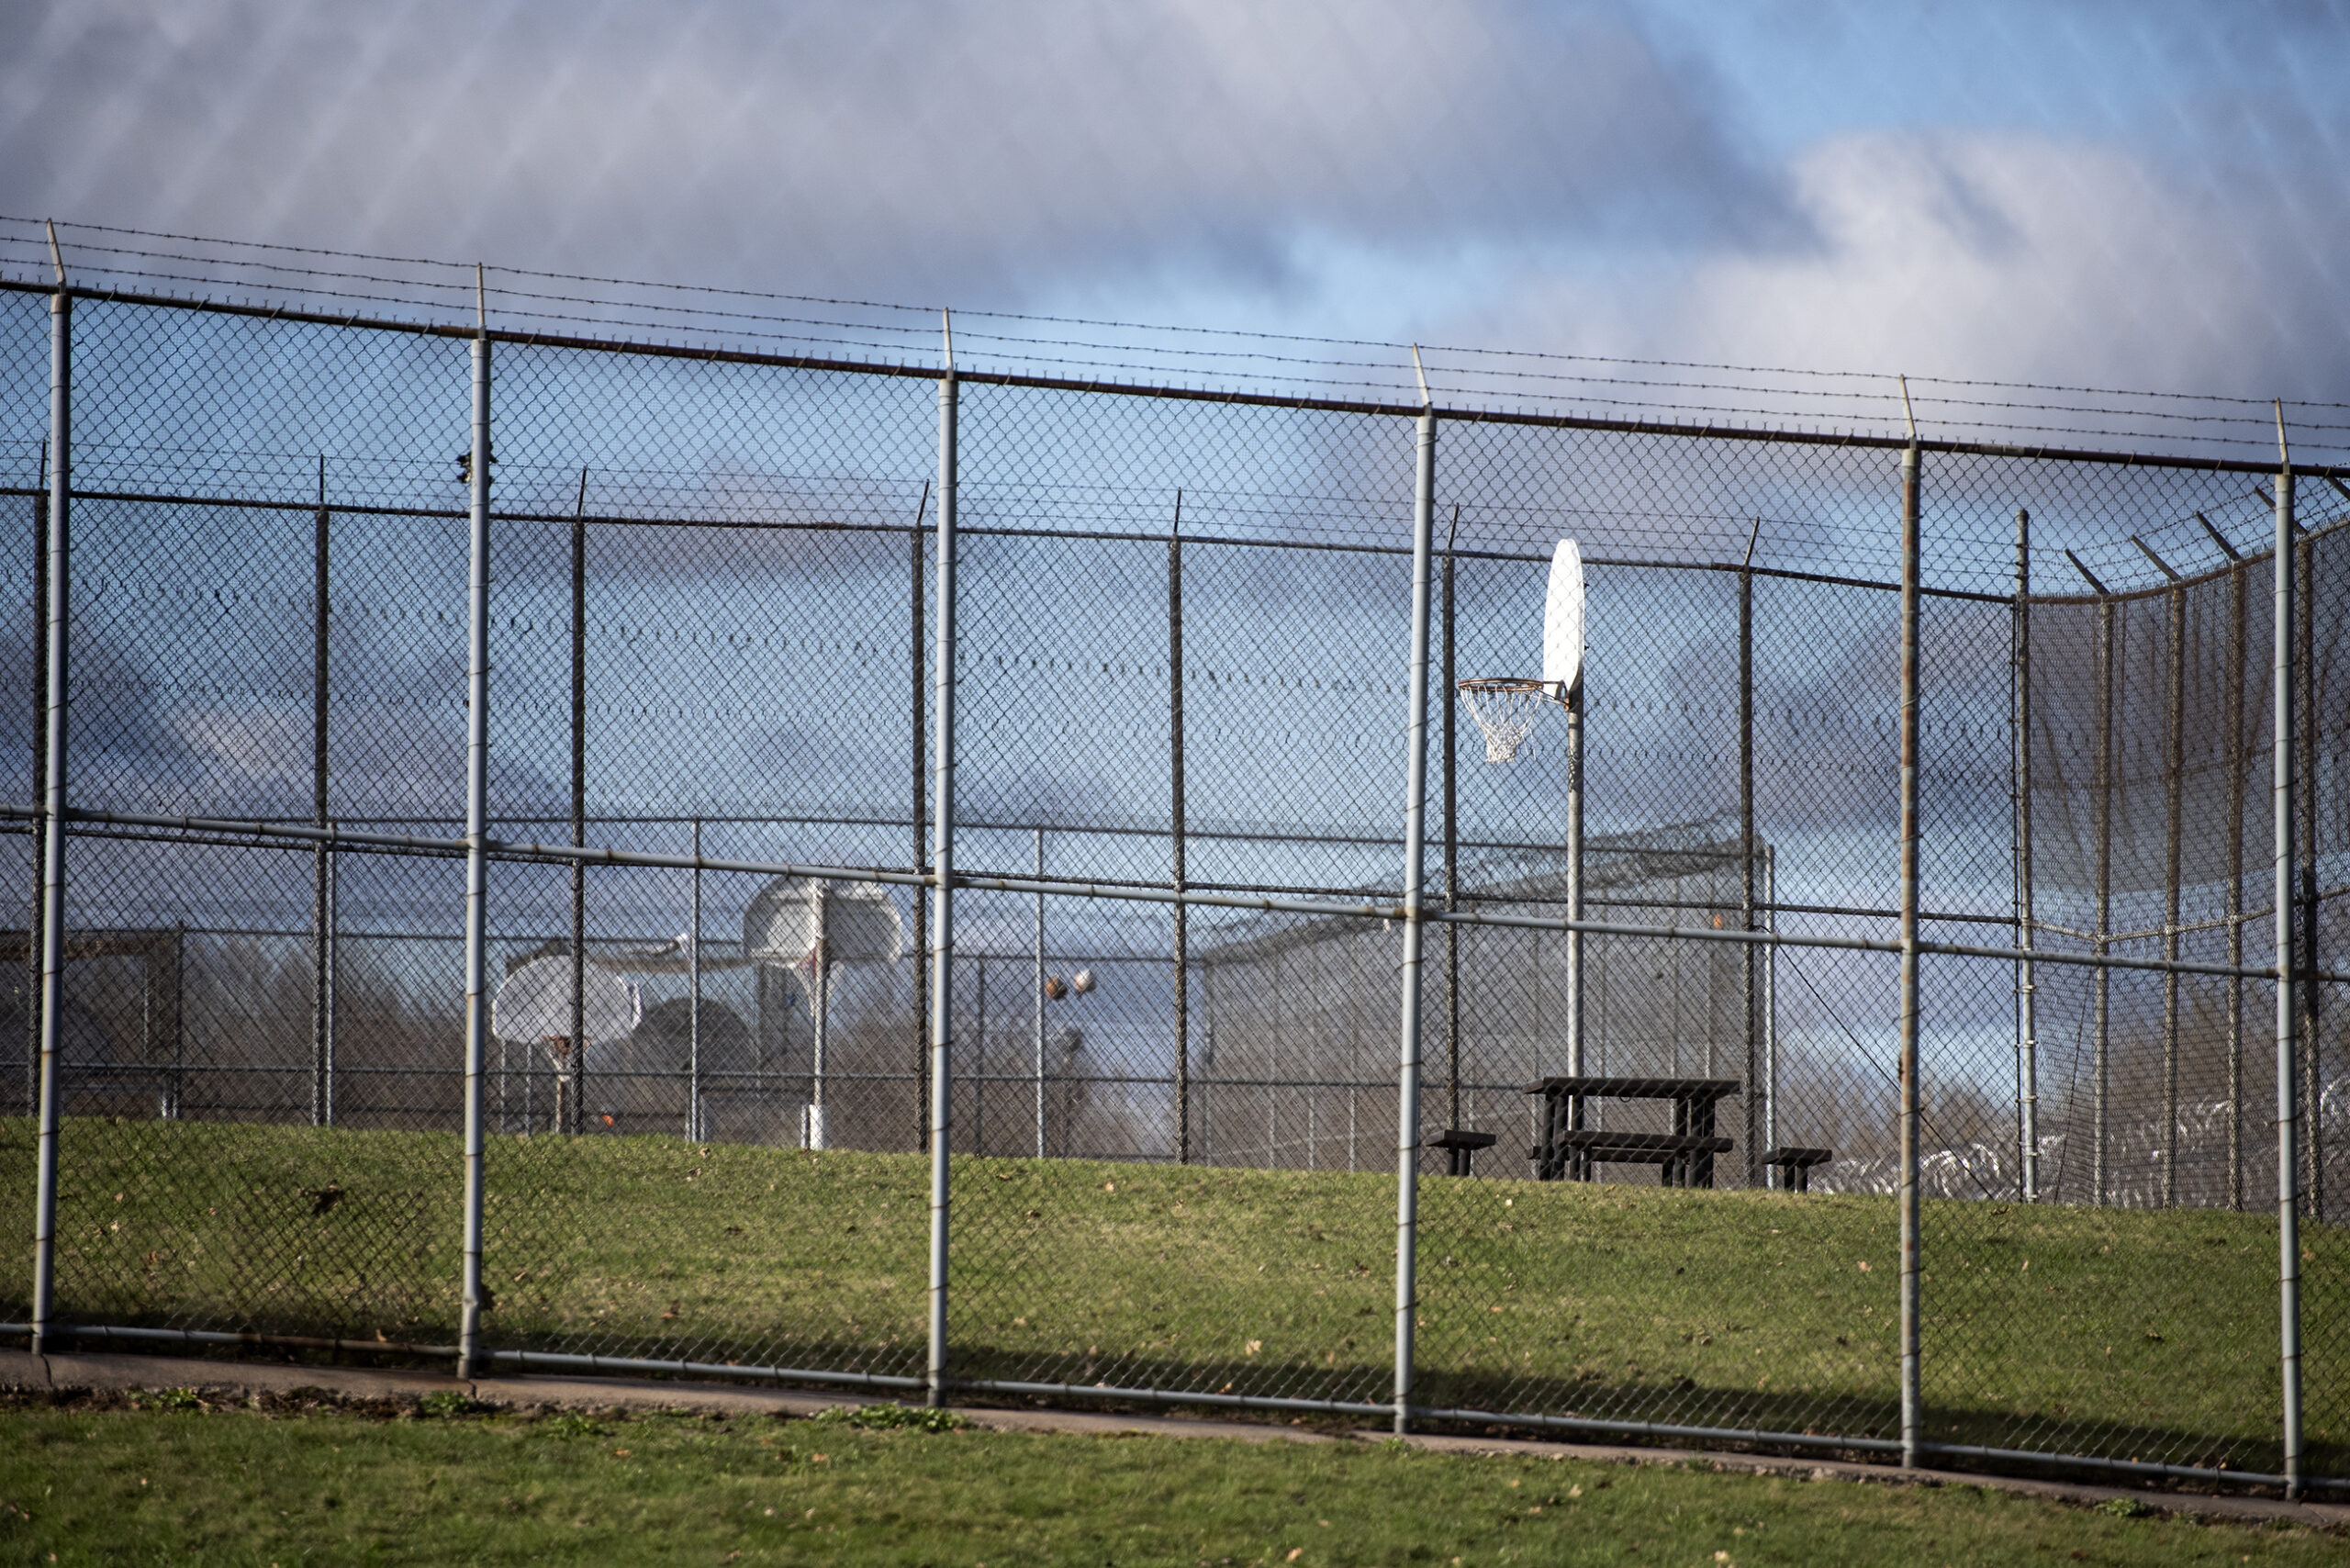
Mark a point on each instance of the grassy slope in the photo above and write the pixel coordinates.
(96, 1487)
(2124, 1332)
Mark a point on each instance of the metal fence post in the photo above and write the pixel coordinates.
(2239, 623)
(919, 818)
(322, 857)
(2175, 772)
(1407, 1081)
(693, 998)
(469, 1358)
(579, 1052)
(39, 748)
(1451, 854)
(1036, 997)
(2306, 850)
(942, 936)
(1910, 1396)
(2289, 1238)
(1180, 831)
(2027, 984)
(53, 801)
(2101, 979)
(1751, 956)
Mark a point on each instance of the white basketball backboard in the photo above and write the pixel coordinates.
(533, 1005)
(1562, 621)
(860, 922)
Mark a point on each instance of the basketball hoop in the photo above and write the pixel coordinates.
(1505, 710)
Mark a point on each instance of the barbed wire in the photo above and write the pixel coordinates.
(1145, 357)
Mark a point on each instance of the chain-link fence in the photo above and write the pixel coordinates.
(648, 639)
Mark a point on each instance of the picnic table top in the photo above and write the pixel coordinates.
(1640, 1088)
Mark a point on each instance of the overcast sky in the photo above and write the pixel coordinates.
(2147, 195)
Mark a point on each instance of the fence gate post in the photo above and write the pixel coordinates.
(942, 934)
(1415, 783)
(2289, 1238)
(469, 1358)
(52, 820)
(1910, 1399)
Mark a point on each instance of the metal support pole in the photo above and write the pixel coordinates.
(322, 857)
(2174, 773)
(2289, 1217)
(816, 1134)
(1179, 836)
(1910, 1391)
(919, 817)
(1752, 958)
(1577, 1054)
(693, 999)
(1451, 855)
(1407, 1081)
(578, 1056)
(53, 803)
(470, 1361)
(941, 953)
(2027, 983)
(2100, 980)
(39, 750)
(2239, 621)
(1036, 990)
(1771, 1002)
(2312, 1075)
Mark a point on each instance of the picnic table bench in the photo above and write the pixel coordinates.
(1796, 1164)
(1685, 1157)
(1459, 1145)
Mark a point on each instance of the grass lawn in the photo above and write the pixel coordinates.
(302, 1482)
(2124, 1333)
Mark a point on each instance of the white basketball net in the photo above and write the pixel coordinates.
(1505, 711)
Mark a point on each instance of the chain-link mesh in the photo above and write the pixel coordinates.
(1182, 628)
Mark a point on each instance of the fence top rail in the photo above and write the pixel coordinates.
(2250, 562)
(1399, 410)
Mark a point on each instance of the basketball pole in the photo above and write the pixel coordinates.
(1574, 892)
(469, 1357)
(1408, 1080)
(942, 936)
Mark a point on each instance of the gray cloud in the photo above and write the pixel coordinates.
(981, 151)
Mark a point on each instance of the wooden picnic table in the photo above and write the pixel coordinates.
(1684, 1157)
